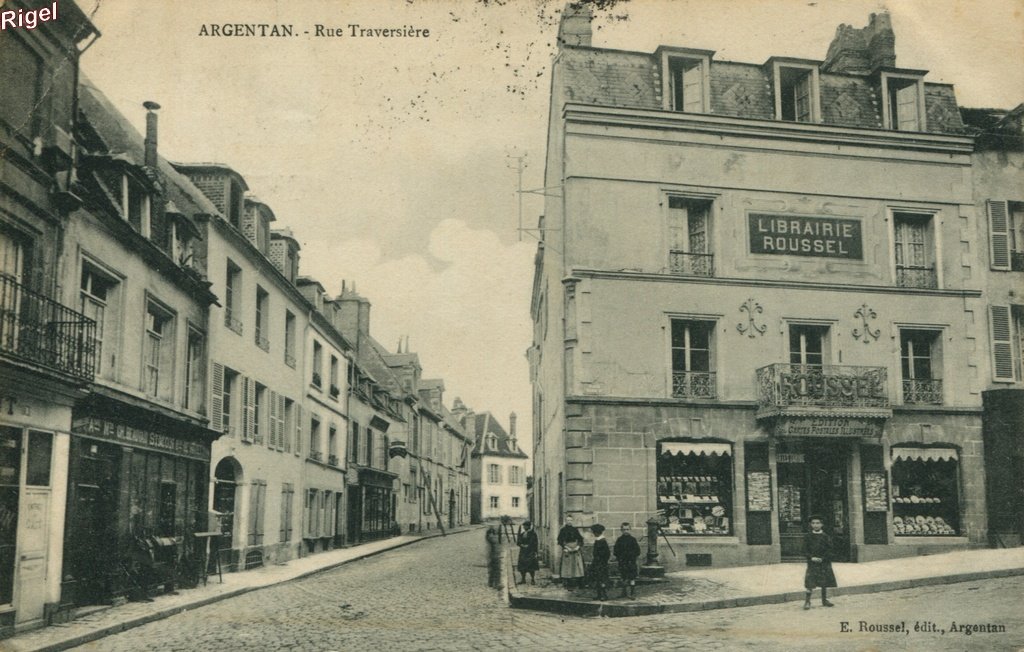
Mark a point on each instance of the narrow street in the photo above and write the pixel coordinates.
(431, 596)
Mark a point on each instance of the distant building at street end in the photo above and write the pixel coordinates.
(498, 466)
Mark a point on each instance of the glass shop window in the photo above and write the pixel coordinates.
(695, 488)
(925, 491)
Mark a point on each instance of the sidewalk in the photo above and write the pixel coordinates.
(723, 588)
(111, 620)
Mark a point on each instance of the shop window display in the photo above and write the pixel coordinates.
(695, 488)
(925, 491)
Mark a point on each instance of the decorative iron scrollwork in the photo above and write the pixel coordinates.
(866, 314)
(752, 308)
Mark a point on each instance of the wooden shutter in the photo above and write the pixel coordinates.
(287, 428)
(259, 416)
(999, 234)
(217, 398)
(1002, 345)
(298, 429)
(287, 496)
(248, 408)
(906, 108)
(272, 439)
(693, 89)
(257, 502)
(281, 435)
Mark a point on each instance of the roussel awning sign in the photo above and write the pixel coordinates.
(791, 235)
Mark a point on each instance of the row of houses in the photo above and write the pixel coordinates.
(772, 290)
(171, 386)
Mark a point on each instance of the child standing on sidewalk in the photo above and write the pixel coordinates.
(599, 564)
(818, 547)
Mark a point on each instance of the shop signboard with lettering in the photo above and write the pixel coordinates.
(801, 235)
(130, 436)
(828, 427)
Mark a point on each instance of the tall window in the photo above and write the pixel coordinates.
(289, 338)
(332, 445)
(228, 401)
(807, 344)
(318, 364)
(1006, 234)
(314, 439)
(259, 419)
(194, 371)
(686, 84)
(918, 358)
(158, 351)
(135, 205)
(691, 359)
(235, 206)
(19, 77)
(515, 475)
(688, 226)
(233, 298)
(96, 290)
(914, 251)
(493, 474)
(262, 319)
(335, 390)
(903, 103)
(289, 424)
(796, 93)
(353, 447)
(368, 448)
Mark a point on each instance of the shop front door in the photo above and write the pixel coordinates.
(355, 514)
(813, 482)
(90, 546)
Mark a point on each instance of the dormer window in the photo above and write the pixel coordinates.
(135, 205)
(903, 108)
(796, 92)
(686, 81)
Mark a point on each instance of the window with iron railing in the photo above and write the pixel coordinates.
(920, 367)
(691, 359)
(914, 251)
(688, 231)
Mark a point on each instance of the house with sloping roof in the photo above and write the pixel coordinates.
(498, 467)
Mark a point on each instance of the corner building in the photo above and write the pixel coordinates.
(756, 299)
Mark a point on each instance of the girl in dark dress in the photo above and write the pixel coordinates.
(818, 547)
(599, 563)
(528, 549)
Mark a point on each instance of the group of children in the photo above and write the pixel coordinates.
(817, 545)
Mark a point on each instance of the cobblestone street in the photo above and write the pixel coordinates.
(431, 596)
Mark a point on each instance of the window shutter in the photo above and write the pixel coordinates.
(298, 429)
(999, 234)
(906, 108)
(1002, 346)
(281, 437)
(693, 89)
(272, 439)
(287, 428)
(248, 409)
(217, 398)
(261, 504)
(259, 415)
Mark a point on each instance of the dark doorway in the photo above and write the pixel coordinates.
(451, 508)
(812, 482)
(226, 478)
(10, 473)
(90, 542)
(355, 514)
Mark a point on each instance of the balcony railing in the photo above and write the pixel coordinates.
(916, 276)
(37, 329)
(693, 384)
(687, 264)
(782, 386)
(918, 391)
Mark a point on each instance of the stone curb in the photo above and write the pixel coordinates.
(88, 637)
(591, 608)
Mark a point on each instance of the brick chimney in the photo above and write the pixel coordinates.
(512, 430)
(352, 316)
(150, 142)
(574, 28)
(860, 51)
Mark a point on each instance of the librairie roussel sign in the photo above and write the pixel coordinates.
(800, 235)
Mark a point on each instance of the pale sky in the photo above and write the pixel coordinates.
(390, 158)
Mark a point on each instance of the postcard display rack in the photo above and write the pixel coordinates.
(695, 494)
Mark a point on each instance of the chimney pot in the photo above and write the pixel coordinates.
(151, 127)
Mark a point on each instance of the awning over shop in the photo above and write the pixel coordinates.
(924, 454)
(694, 448)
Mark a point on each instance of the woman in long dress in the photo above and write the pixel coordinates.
(529, 548)
(570, 567)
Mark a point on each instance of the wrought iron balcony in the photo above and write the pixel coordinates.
(922, 391)
(693, 384)
(685, 263)
(821, 389)
(916, 276)
(39, 330)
